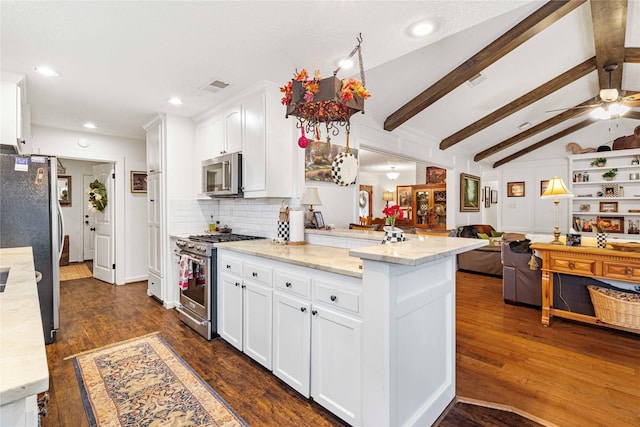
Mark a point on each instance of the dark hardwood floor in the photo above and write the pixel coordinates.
(569, 374)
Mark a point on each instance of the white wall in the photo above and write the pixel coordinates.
(131, 214)
(531, 213)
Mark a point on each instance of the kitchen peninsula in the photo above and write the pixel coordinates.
(367, 330)
(23, 361)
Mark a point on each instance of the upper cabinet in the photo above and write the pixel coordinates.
(16, 118)
(155, 137)
(254, 124)
(225, 132)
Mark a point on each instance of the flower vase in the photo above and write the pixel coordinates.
(393, 235)
(601, 239)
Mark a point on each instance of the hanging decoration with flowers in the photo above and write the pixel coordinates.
(329, 101)
(97, 193)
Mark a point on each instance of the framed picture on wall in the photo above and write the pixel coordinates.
(469, 193)
(487, 197)
(494, 196)
(138, 182)
(64, 190)
(543, 187)
(436, 175)
(515, 189)
(403, 196)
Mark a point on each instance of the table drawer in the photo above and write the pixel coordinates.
(258, 273)
(616, 270)
(335, 296)
(298, 285)
(230, 265)
(582, 267)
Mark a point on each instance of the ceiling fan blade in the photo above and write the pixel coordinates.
(574, 108)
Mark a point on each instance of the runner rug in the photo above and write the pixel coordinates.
(143, 382)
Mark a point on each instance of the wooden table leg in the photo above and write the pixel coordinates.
(547, 292)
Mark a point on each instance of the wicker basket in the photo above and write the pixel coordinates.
(615, 307)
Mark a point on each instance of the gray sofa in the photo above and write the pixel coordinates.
(484, 260)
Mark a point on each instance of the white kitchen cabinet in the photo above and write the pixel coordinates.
(267, 141)
(155, 137)
(245, 307)
(16, 118)
(154, 225)
(230, 308)
(292, 341)
(225, 132)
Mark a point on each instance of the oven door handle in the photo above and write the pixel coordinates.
(193, 319)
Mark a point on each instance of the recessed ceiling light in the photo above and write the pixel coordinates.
(175, 101)
(422, 28)
(90, 125)
(46, 71)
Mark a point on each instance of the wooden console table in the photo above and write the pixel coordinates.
(583, 261)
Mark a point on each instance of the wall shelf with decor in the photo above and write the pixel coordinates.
(616, 201)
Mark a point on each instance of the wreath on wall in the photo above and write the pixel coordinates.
(97, 193)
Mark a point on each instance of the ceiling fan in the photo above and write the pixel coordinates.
(611, 104)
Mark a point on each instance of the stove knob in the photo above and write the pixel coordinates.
(203, 249)
(180, 242)
(190, 245)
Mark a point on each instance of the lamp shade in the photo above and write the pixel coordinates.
(387, 196)
(310, 197)
(556, 189)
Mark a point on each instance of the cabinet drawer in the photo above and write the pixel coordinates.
(290, 282)
(616, 270)
(230, 265)
(258, 273)
(582, 267)
(336, 296)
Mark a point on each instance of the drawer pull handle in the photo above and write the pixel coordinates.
(333, 297)
(571, 265)
(314, 312)
(228, 266)
(244, 286)
(629, 271)
(254, 274)
(303, 309)
(288, 284)
(237, 284)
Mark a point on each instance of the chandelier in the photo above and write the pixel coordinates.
(329, 101)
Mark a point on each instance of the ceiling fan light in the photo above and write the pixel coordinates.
(617, 109)
(608, 95)
(600, 113)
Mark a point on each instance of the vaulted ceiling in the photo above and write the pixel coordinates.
(120, 61)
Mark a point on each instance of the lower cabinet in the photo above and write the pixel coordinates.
(308, 321)
(244, 316)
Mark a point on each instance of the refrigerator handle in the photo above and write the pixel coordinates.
(60, 231)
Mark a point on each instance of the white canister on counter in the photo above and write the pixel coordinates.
(296, 226)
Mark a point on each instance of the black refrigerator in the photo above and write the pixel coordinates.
(30, 216)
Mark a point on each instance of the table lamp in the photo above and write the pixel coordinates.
(556, 190)
(387, 196)
(310, 197)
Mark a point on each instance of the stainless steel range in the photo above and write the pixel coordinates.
(198, 280)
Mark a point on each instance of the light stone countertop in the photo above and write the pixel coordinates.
(327, 258)
(23, 359)
(415, 251)
(418, 250)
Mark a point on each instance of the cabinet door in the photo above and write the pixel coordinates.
(335, 363)
(254, 145)
(230, 309)
(216, 138)
(256, 333)
(233, 130)
(292, 341)
(154, 222)
(154, 150)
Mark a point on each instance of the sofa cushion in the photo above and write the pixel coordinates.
(520, 246)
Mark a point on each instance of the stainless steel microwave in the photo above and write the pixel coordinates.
(222, 176)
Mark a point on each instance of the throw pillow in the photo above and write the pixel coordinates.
(497, 233)
(520, 246)
(485, 237)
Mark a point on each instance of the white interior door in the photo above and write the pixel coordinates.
(104, 260)
(89, 223)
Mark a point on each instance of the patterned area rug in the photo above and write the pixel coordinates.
(143, 382)
(75, 271)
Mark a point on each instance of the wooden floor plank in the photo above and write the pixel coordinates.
(569, 374)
